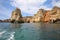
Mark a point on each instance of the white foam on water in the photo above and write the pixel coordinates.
(1, 33)
(12, 36)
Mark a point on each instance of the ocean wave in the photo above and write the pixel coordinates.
(1, 33)
(12, 36)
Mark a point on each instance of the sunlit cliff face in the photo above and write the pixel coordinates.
(16, 15)
(55, 13)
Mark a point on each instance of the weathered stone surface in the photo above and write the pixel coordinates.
(41, 16)
(27, 19)
(16, 16)
(37, 16)
(51, 15)
(55, 14)
(46, 16)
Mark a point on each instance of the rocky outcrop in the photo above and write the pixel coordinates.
(37, 16)
(16, 16)
(55, 14)
(51, 15)
(46, 17)
(27, 19)
(41, 16)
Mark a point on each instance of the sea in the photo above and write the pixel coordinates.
(29, 31)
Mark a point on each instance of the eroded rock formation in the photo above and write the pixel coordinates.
(37, 16)
(46, 17)
(41, 16)
(55, 14)
(16, 16)
(27, 19)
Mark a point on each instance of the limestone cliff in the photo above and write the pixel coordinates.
(37, 17)
(46, 16)
(16, 15)
(41, 16)
(55, 14)
(27, 19)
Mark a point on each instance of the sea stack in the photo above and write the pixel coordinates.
(16, 16)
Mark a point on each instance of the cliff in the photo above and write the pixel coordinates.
(47, 15)
(27, 19)
(16, 16)
(37, 16)
(42, 15)
(55, 14)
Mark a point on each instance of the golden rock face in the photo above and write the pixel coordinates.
(55, 13)
(37, 16)
(16, 15)
(48, 15)
(41, 15)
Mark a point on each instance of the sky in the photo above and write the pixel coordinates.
(28, 7)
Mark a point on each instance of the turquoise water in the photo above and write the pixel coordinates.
(29, 31)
